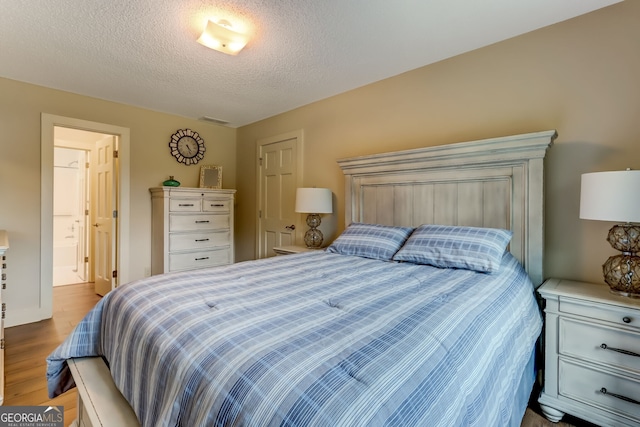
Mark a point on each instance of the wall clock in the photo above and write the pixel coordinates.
(187, 146)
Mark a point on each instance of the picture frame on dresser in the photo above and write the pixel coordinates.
(211, 176)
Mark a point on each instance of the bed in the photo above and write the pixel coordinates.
(368, 332)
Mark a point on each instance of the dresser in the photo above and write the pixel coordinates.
(191, 228)
(591, 354)
(4, 246)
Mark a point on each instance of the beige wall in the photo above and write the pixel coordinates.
(21, 106)
(580, 77)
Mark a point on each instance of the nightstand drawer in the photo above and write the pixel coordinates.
(200, 259)
(609, 313)
(186, 241)
(585, 384)
(584, 341)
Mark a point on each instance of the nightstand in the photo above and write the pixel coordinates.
(591, 354)
(287, 250)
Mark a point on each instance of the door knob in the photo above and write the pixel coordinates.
(96, 225)
(290, 227)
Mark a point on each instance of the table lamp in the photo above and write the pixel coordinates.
(314, 201)
(615, 196)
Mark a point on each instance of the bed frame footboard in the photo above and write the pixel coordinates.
(100, 403)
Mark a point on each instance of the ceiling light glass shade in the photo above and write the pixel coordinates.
(221, 37)
(314, 201)
(613, 196)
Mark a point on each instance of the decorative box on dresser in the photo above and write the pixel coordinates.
(4, 245)
(592, 354)
(191, 228)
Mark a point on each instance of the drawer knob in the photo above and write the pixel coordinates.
(202, 259)
(202, 240)
(202, 222)
(626, 319)
(185, 204)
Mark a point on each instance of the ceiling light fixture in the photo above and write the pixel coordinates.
(220, 36)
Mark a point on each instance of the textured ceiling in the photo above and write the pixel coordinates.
(144, 52)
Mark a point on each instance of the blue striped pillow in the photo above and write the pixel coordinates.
(446, 246)
(370, 241)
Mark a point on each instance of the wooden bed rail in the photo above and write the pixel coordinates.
(100, 403)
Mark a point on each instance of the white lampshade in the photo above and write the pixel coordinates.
(314, 200)
(611, 196)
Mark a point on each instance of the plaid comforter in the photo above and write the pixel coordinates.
(314, 339)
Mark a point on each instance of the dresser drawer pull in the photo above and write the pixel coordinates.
(202, 259)
(219, 205)
(185, 204)
(619, 396)
(202, 240)
(202, 222)
(619, 350)
(626, 319)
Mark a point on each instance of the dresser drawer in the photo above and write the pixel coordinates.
(585, 341)
(179, 222)
(209, 205)
(618, 315)
(584, 383)
(185, 205)
(199, 259)
(205, 240)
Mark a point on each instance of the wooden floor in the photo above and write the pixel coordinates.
(27, 346)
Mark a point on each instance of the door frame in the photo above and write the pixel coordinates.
(48, 123)
(298, 135)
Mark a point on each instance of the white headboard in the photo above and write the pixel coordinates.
(494, 182)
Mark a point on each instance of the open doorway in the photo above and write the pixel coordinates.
(106, 141)
(85, 185)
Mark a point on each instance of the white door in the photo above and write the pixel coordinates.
(104, 223)
(278, 179)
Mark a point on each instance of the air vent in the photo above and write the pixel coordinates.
(214, 120)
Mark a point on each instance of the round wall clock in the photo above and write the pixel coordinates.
(187, 146)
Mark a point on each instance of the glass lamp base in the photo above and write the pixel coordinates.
(624, 294)
(313, 238)
(622, 274)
